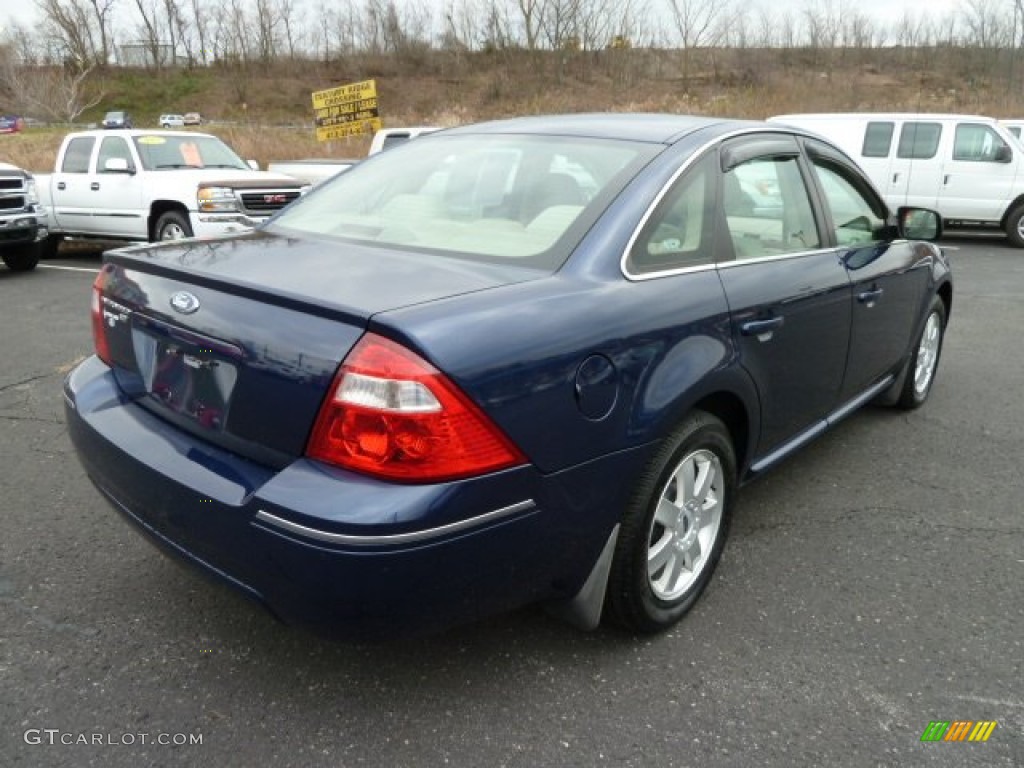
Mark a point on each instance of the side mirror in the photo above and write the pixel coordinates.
(117, 165)
(253, 164)
(1004, 154)
(919, 223)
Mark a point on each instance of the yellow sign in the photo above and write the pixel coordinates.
(347, 110)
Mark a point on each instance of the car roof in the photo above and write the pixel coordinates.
(657, 128)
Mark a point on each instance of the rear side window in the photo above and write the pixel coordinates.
(919, 141)
(767, 208)
(77, 154)
(679, 232)
(877, 140)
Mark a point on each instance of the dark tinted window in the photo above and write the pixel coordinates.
(877, 140)
(919, 141)
(76, 156)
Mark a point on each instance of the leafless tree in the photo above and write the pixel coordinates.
(699, 24)
(53, 91)
(81, 30)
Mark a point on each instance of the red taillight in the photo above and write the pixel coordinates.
(99, 328)
(390, 413)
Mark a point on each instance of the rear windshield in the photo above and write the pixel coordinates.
(493, 198)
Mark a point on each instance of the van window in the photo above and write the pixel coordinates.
(976, 143)
(919, 141)
(877, 140)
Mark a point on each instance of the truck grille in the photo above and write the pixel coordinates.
(12, 202)
(17, 183)
(265, 202)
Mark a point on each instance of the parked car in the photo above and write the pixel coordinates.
(11, 124)
(968, 167)
(172, 121)
(193, 118)
(454, 379)
(117, 119)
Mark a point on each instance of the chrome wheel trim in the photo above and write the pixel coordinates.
(172, 231)
(927, 354)
(1020, 227)
(685, 525)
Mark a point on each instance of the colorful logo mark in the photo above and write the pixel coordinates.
(958, 730)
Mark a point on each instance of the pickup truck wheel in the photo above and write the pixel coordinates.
(22, 258)
(1015, 227)
(173, 226)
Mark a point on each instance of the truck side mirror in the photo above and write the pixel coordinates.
(117, 165)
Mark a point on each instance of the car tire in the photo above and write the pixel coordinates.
(672, 537)
(22, 258)
(1015, 227)
(172, 225)
(924, 360)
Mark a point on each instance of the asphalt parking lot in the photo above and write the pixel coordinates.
(871, 585)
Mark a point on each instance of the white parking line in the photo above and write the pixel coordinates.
(68, 269)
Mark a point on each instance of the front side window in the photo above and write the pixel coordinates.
(110, 148)
(976, 143)
(919, 141)
(767, 208)
(480, 197)
(858, 217)
(77, 154)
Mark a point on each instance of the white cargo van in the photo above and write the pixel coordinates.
(966, 167)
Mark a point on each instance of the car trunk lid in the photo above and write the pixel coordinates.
(237, 340)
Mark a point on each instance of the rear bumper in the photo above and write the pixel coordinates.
(343, 554)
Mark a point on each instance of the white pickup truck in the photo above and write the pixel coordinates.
(156, 185)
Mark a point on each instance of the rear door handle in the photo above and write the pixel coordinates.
(94, 186)
(870, 297)
(895, 178)
(759, 327)
(61, 185)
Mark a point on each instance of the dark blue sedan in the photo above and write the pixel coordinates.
(529, 360)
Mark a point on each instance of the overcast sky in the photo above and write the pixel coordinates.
(25, 12)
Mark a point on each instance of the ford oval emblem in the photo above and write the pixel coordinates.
(184, 302)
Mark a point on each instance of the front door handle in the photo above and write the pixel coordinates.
(94, 186)
(760, 327)
(61, 185)
(870, 297)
